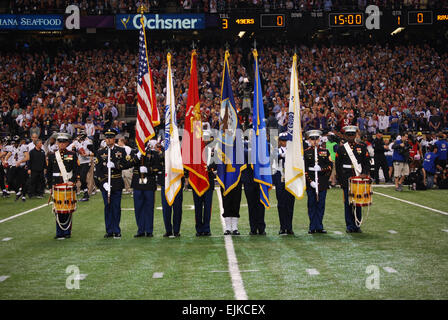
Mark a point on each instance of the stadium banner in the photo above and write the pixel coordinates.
(97, 22)
(160, 21)
(31, 22)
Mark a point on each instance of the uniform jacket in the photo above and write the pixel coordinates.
(344, 168)
(324, 161)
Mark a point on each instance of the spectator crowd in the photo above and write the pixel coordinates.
(100, 7)
(385, 89)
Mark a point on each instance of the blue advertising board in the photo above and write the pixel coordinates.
(160, 21)
(31, 22)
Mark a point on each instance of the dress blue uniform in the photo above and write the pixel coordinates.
(69, 161)
(172, 215)
(252, 192)
(345, 170)
(118, 161)
(316, 202)
(203, 207)
(144, 184)
(285, 200)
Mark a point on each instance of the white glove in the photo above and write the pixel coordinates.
(317, 168)
(106, 187)
(110, 164)
(139, 155)
(313, 184)
(143, 169)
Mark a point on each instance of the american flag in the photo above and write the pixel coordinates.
(147, 112)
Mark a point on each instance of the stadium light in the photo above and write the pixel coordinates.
(396, 31)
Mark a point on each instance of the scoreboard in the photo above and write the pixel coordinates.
(320, 19)
(253, 22)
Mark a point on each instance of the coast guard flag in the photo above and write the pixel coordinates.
(192, 142)
(230, 138)
(260, 149)
(174, 170)
(147, 112)
(295, 181)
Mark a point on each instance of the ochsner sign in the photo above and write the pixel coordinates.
(160, 21)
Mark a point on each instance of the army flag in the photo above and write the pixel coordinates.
(192, 142)
(295, 181)
(259, 143)
(173, 158)
(147, 112)
(229, 140)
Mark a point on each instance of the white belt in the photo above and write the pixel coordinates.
(58, 174)
(347, 166)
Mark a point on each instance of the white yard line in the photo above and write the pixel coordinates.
(312, 272)
(25, 212)
(235, 274)
(411, 203)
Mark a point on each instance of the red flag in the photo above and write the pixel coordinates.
(147, 112)
(192, 143)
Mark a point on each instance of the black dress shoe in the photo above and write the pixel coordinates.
(349, 231)
(262, 233)
(253, 233)
(236, 233)
(117, 235)
(139, 235)
(290, 232)
(167, 234)
(321, 231)
(206, 234)
(199, 234)
(108, 235)
(227, 232)
(311, 231)
(358, 231)
(177, 234)
(59, 237)
(282, 232)
(68, 236)
(149, 235)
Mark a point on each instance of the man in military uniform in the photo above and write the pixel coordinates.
(285, 200)
(252, 191)
(172, 215)
(317, 163)
(109, 163)
(68, 162)
(346, 167)
(144, 182)
(203, 204)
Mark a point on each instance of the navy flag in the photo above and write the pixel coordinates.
(230, 138)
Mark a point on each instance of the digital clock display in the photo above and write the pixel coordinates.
(272, 21)
(346, 19)
(419, 17)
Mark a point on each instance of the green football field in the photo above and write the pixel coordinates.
(401, 254)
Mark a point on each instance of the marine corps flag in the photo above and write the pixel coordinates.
(147, 112)
(174, 170)
(192, 143)
(260, 149)
(232, 162)
(295, 181)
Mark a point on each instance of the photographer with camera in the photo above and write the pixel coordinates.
(400, 160)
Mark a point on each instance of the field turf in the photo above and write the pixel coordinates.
(406, 244)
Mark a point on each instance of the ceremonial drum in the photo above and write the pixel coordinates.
(64, 198)
(360, 191)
